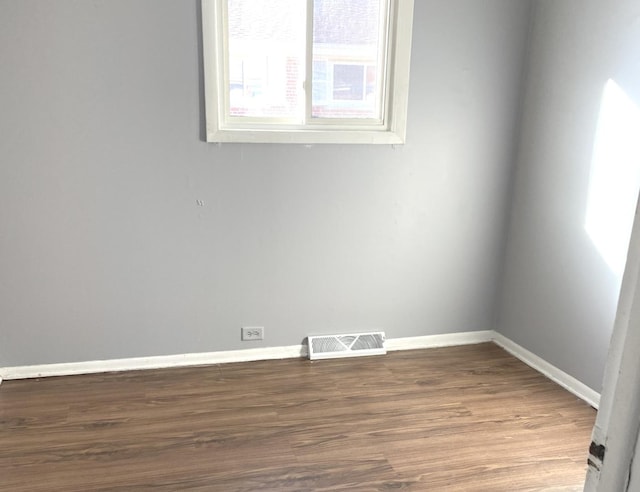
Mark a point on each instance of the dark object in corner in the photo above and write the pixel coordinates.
(597, 450)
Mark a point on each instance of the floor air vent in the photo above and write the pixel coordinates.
(350, 345)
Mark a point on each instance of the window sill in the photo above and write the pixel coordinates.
(306, 136)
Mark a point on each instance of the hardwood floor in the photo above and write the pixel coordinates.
(469, 418)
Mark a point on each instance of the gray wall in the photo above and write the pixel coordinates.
(559, 296)
(104, 252)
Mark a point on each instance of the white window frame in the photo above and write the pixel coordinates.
(391, 130)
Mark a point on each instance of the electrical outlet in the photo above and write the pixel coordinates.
(252, 333)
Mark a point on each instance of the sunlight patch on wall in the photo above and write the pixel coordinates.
(615, 177)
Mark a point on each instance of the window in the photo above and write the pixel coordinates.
(306, 71)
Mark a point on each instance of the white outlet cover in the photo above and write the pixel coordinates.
(252, 333)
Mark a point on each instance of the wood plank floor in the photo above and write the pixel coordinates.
(469, 418)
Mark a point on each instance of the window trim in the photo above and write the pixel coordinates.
(391, 131)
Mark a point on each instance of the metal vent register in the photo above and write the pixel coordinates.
(346, 345)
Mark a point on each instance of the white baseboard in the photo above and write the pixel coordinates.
(434, 341)
(223, 357)
(560, 377)
(296, 351)
(155, 362)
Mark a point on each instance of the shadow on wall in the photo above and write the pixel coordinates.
(614, 180)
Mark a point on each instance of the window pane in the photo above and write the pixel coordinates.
(347, 39)
(320, 81)
(266, 58)
(348, 82)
